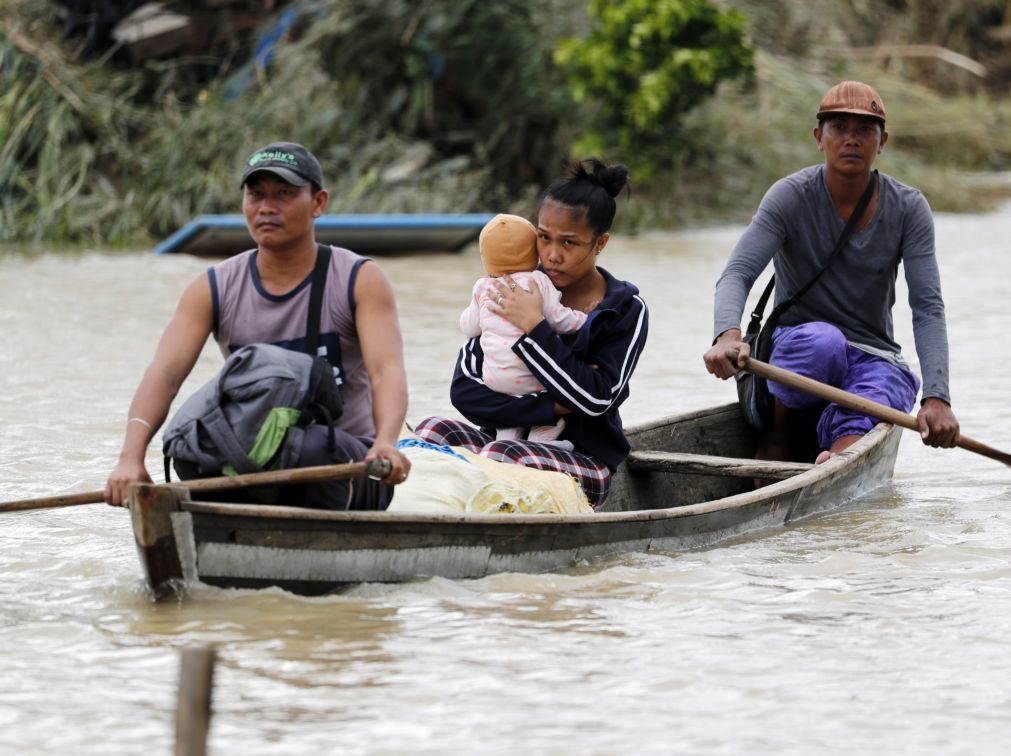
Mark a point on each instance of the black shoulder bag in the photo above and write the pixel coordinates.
(752, 391)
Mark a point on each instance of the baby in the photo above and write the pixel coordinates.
(508, 246)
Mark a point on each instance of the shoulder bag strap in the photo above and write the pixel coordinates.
(319, 272)
(755, 324)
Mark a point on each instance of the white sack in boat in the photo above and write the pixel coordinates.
(444, 483)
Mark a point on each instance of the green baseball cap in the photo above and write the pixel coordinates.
(292, 162)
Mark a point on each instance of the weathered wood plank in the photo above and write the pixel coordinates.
(704, 464)
(714, 430)
(151, 509)
(193, 707)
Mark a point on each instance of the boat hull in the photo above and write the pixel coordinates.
(313, 552)
(367, 234)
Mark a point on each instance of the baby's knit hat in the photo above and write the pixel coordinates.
(508, 245)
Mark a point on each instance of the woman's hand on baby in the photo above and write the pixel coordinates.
(520, 307)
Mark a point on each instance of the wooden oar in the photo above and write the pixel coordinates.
(377, 468)
(858, 403)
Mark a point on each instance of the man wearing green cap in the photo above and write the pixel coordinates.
(835, 305)
(262, 296)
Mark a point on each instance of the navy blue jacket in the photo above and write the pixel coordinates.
(588, 374)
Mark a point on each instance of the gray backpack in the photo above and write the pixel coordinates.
(251, 416)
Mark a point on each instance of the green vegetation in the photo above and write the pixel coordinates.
(446, 106)
(946, 123)
(465, 105)
(55, 134)
(645, 64)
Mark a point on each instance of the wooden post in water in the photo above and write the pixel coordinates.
(193, 709)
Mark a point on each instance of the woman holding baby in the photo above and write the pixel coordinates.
(584, 374)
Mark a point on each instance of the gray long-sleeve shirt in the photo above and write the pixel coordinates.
(796, 226)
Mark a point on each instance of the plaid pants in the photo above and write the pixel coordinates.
(592, 476)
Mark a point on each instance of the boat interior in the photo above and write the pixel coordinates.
(703, 456)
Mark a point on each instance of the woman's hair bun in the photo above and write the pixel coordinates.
(613, 178)
(580, 187)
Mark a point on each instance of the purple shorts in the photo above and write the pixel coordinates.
(819, 351)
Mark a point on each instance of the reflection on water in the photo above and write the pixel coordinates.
(820, 637)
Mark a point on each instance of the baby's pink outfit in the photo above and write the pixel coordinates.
(503, 370)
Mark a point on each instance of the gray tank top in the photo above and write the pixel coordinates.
(246, 313)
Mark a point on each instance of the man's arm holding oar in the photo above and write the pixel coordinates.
(177, 353)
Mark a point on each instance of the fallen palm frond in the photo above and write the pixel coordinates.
(445, 105)
(884, 53)
(63, 125)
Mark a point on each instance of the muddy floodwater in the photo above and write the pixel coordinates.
(884, 627)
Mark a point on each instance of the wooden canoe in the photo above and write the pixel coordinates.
(686, 485)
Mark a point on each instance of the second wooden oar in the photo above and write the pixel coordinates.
(377, 468)
(858, 403)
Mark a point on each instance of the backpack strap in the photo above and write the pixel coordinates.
(229, 447)
(216, 426)
(319, 272)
